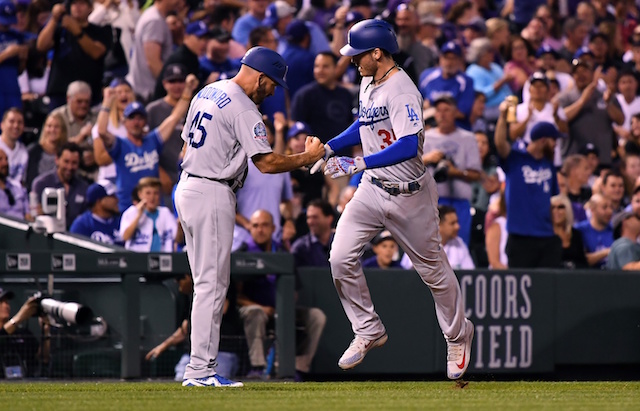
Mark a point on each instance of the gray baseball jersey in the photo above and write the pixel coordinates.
(461, 148)
(222, 128)
(389, 111)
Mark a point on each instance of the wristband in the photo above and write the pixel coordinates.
(105, 109)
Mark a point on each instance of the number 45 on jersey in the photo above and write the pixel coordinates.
(198, 126)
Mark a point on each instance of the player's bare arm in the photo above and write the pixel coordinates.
(272, 163)
(103, 117)
(165, 129)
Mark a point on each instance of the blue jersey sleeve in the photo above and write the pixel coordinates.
(402, 150)
(348, 138)
(115, 151)
(467, 97)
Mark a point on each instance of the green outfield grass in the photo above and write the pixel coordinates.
(342, 396)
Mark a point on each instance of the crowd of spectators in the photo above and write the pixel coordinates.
(94, 94)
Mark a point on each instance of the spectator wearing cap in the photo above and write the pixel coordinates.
(14, 201)
(407, 31)
(519, 65)
(456, 250)
(589, 113)
(625, 250)
(79, 49)
(188, 54)
(537, 109)
(173, 81)
(629, 102)
(429, 28)
(115, 126)
(152, 46)
(256, 10)
(11, 128)
(597, 232)
(546, 62)
(385, 249)
(448, 80)
(13, 56)
(459, 149)
(575, 33)
(122, 16)
(280, 14)
(592, 154)
(488, 77)
(530, 184)
(18, 342)
(102, 221)
(217, 64)
(309, 185)
(599, 45)
(77, 113)
(64, 176)
(137, 154)
(474, 30)
(298, 57)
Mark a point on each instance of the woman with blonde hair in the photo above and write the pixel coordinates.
(573, 255)
(115, 126)
(42, 154)
(496, 235)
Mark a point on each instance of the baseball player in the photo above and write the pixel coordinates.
(222, 129)
(395, 193)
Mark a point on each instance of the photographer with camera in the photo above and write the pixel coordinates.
(79, 48)
(453, 153)
(19, 348)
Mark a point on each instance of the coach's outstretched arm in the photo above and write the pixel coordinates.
(272, 163)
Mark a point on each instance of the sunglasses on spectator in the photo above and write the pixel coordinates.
(10, 197)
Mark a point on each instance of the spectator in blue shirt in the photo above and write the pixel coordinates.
(531, 182)
(216, 64)
(313, 249)
(488, 77)
(102, 221)
(298, 57)
(13, 54)
(449, 81)
(625, 250)
(597, 233)
(136, 155)
(249, 21)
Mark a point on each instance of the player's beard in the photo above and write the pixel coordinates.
(260, 94)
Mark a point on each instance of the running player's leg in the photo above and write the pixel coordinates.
(360, 222)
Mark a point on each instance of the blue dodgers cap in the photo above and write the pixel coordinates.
(134, 108)
(118, 81)
(99, 190)
(296, 31)
(582, 51)
(546, 49)
(297, 128)
(277, 10)
(198, 29)
(7, 13)
(544, 129)
(268, 62)
(451, 47)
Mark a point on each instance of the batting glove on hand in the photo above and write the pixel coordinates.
(344, 166)
(328, 152)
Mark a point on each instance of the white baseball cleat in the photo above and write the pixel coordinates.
(358, 348)
(459, 355)
(215, 380)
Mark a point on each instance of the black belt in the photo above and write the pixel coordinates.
(231, 183)
(396, 188)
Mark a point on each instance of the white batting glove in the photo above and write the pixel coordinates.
(344, 166)
(328, 152)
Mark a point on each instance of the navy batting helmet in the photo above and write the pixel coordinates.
(268, 62)
(368, 35)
